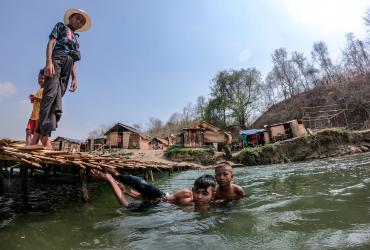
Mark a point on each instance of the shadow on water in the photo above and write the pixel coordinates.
(311, 205)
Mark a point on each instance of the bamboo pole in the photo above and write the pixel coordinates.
(24, 173)
(1, 181)
(83, 189)
(151, 175)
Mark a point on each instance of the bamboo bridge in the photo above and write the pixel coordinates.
(35, 158)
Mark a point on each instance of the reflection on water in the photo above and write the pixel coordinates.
(316, 205)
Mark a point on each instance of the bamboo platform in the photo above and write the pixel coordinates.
(15, 154)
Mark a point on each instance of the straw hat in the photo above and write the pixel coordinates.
(72, 11)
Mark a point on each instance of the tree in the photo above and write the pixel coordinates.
(320, 55)
(214, 112)
(99, 132)
(155, 127)
(355, 55)
(285, 73)
(234, 93)
(307, 72)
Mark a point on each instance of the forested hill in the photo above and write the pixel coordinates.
(353, 95)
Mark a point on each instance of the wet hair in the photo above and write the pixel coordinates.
(204, 182)
(223, 164)
(41, 72)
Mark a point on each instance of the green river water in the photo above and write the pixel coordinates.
(321, 204)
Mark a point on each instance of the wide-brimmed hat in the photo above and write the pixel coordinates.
(72, 11)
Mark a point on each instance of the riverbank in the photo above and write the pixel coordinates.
(324, 144)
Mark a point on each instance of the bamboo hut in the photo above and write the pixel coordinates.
(126, 137)
(203, 134)
(283, 131)
(158, 143)
(66, 144)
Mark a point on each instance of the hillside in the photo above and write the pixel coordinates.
(353, 95)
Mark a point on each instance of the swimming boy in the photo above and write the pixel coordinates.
(35, 100)
(61, 56)
(200, 196)
(226, 190)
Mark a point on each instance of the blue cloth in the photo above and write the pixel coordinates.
(66, 40)
(251, 131)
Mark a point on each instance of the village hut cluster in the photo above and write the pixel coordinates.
(202, 134)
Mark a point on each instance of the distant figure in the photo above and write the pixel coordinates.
(200, 197)
(61, 54)
(226, 190)
(34, 118)
(227, 150)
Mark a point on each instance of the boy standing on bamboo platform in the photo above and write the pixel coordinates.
(35, 100)
(226, 190)
(61, 56)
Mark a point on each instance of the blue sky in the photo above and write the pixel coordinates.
(149, 58)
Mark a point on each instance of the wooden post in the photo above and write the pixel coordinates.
(146, 175)
(83, 190)
(1, 181)
(151, 175)
(23, 173)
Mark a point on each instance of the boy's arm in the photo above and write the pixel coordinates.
(179, 196)
(49, 68)
(74, 78)
(98, 175)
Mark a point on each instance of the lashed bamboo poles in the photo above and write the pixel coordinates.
(36, 156)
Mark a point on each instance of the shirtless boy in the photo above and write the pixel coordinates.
(226, 190)
(200, 196)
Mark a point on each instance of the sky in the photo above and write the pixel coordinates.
(145, 58)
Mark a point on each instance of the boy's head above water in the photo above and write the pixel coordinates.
(224, 174)
(204, 189)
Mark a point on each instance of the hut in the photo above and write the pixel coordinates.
(96, 143)
(126, 137)
(158, 143)
(283, 131)
(252, 137)
(66, 144)
(203, 134)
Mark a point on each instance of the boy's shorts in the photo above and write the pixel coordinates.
(32, 125)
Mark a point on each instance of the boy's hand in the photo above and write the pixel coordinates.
(73, 86)
(49, 69)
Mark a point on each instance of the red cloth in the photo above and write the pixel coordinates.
(32, 125)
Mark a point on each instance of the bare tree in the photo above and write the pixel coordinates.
(320, 55)
(285, 73)
(155, 127)
(355, 55)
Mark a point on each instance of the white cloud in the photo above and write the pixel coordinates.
(244, 55)
(329, 16)
(7, 89)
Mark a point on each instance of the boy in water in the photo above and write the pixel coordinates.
(226, 190)
(61, 56)
(200, 196)
(35, 100)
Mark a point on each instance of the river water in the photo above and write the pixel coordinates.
(322, 204)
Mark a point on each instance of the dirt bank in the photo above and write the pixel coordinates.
(327, 143)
